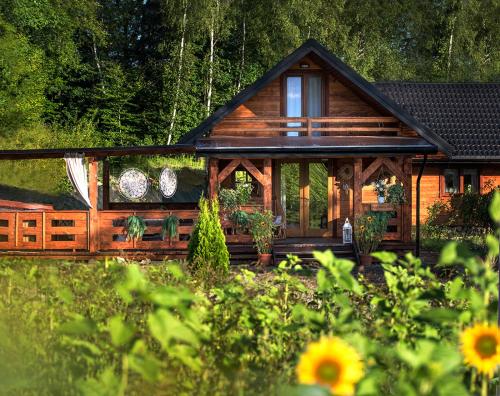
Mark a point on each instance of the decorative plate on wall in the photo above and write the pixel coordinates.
(345, 172)
(168, 182)
(133, 183)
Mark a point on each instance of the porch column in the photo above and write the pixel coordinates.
(213, 173)
(105, 184)
(407, 207)
(357, 187)
(93, 233)
(267, 185)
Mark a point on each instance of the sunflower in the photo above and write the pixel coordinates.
(362, 228)
(369, 219)
(332, 363)
(480, 346)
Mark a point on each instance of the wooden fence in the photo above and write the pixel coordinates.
(67, 230)
(44, 230)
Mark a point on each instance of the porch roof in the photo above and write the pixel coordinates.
(286, 146)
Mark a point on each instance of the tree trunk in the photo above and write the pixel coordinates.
(450, 49)
(211, 58)
(242, 64)
(179, 74)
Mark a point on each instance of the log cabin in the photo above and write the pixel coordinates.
(311, 135)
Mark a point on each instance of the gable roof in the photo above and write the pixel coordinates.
(342, 71)
(467, 115)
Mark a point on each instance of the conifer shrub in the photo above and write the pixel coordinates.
(208, 257)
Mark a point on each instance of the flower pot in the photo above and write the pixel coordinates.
(265, 258)
(365, 259)
(381, 199)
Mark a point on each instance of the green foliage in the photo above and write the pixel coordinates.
(396, 194)
(169, 226)
(135, 226)
(370, 229)
(208, 256)
(151, 328)
(232, 198)
(240, 218)
(262, 230)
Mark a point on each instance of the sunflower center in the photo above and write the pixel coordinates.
(486, 346)
(328, 372)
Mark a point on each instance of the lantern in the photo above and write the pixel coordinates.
(347, 232)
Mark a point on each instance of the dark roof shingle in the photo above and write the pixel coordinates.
(466, 115)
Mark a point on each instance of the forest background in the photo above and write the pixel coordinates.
(86, 73)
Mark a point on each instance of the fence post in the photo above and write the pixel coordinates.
(93, 213)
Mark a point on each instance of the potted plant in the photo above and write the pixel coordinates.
(135, 228)
(396, 194)
(370, 229)
(380, 188)
(262, 230)
(169, 227)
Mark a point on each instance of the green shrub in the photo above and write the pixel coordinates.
(208, 254)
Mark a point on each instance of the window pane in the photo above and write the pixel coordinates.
(318, 195)
(290, 194)
(293, 101)
(451, 181)
(470, 180)
(314, 99)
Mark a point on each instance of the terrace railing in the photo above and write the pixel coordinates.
(309, 126)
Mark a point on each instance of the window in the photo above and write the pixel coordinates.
(451, 181)
(470, 180)
(293, 102)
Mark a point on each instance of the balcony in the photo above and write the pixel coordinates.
(308, 126)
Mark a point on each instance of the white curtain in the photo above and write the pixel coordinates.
(77, 174)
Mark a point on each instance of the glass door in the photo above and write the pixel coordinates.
(305, 198)
(304, 98)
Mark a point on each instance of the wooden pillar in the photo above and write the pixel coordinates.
(407, 207)
(357, 188)
(105, 184)
(213, 172)
(268, 184)
(93, 214)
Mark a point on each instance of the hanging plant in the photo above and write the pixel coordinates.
(136, 226)
(396, 194)
(240, 218)
(170, 224)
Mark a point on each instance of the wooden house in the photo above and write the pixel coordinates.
(311, 135)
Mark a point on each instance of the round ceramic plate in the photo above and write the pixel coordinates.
(168, 182)
(133, 183)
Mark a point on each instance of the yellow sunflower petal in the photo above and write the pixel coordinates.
(333, 363)
(480, 345)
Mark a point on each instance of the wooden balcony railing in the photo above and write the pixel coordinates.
(309, 126)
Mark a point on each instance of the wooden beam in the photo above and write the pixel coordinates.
(250, 167)
(331, 192)
(93, 215)
(268, 191)
(394, 169)
(357, 187)
(407, 207)
(105, 184)
(213, 170)
(4, 203)
(370, 170)
(97, 152)
(228, 170)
